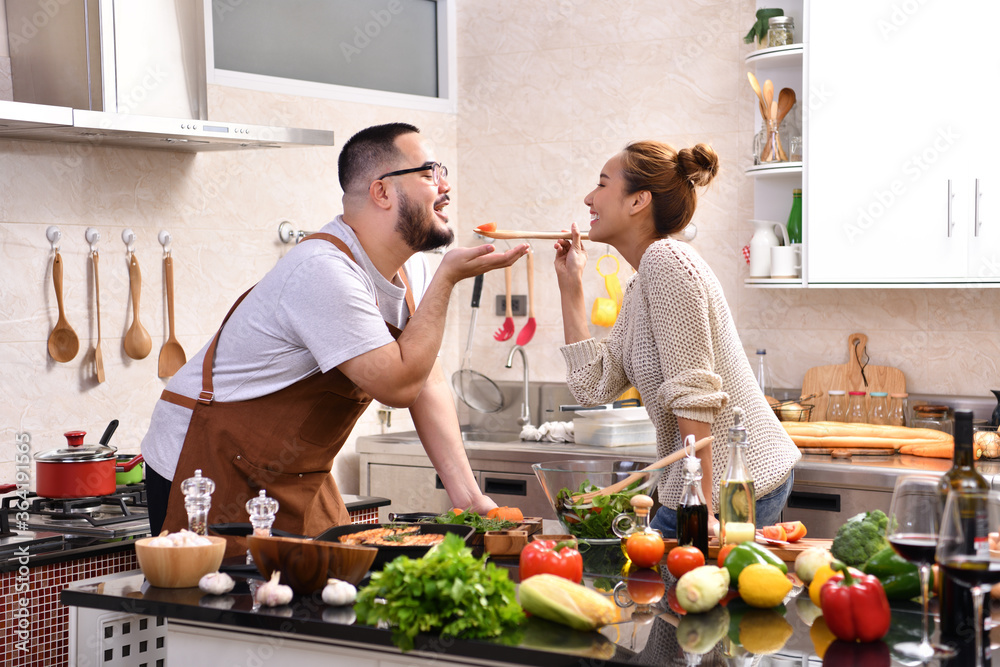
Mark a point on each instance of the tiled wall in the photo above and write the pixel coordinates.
(548, 91)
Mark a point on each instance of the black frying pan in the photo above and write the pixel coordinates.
(386, 554)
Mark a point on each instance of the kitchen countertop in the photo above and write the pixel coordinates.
(647, 638)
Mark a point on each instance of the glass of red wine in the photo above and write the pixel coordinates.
(914, 524)
(964, 551)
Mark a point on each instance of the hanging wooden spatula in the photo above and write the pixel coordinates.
(637, 476)
(98, 355)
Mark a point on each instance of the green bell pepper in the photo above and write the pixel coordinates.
(900, 578)
(748, 553)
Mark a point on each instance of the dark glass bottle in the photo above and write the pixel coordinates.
(692, 511)
(956, 608)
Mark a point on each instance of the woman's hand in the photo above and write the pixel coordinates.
(571, 260)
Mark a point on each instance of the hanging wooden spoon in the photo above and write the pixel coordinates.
(137, 342)
(63, 341)
(172, 355)
(98, 355)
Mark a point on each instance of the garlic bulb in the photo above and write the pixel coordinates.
(216, 583)
(273, 594)
(337, 593)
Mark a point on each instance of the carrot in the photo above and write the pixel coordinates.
(487, 227)
(506, 514)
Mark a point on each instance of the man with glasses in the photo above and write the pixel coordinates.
(349, 315)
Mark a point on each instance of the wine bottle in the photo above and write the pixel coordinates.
(692, 510)
(956, 604)
(795, 218)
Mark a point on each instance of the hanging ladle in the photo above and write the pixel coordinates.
(137, 343)
(63, 341)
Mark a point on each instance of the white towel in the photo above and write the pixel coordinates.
(549, 431)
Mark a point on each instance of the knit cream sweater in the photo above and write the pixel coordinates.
(676, 342)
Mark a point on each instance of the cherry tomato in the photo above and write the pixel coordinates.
(794, 530)
(774, 533)
(549, 557)
(684, 559)
(723, 552)
(644, 549)
(488, 227)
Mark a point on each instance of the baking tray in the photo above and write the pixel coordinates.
(385, 553)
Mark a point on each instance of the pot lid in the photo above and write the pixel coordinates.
(77, 451)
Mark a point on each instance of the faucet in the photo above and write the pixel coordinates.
(525, 418)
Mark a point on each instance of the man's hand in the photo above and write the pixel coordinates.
(461, 263)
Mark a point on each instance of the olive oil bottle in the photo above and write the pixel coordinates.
(737, 501)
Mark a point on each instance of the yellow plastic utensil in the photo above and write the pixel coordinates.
(605, 310)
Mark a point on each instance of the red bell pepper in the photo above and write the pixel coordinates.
(854, 654)
(549, 557)
(855, 607)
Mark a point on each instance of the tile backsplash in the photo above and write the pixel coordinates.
(547, 92)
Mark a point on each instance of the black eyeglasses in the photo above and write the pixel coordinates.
(438, 171)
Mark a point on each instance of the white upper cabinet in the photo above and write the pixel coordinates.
(901, 119)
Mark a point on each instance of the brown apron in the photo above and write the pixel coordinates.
(284, 443)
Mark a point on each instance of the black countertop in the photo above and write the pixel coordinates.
(646, 637)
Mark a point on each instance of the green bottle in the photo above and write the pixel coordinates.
(795, 217)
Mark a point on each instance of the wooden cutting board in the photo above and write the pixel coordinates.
(787, 552)
(848, 377)
(848, 451)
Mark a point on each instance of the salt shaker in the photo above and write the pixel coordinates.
(262, 511)
(197, 500)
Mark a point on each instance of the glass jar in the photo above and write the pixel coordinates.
(780, 31)
(933, 416)
(897, 410)
(856, 411)
(768, 146)
(836, 406)
(879, 412)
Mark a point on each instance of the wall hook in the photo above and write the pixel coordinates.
(92, 236)
(53, 234)
(289, 234)
(164, 238)
(128, 236)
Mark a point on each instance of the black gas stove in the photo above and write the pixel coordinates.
(52, 521)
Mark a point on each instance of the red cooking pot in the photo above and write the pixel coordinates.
(78, 470)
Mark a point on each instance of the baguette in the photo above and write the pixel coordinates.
(838, 434)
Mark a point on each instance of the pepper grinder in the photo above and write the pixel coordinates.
(197, 500)
(262, 511)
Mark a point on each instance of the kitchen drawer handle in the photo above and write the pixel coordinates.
(505, 487)
(807, 500)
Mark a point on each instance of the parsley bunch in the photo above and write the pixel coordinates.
(448, 590)
(481, 523)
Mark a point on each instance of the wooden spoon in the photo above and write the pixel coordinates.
(768, 92)
(782, 156)
(513, 234)
(63, 341)
(636, 476)
(786, 100)
(760, 96)
(98, 355)
(137, 342)
(172, 355)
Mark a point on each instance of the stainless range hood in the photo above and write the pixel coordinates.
(121, 73)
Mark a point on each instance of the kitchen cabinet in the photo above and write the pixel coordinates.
(899, 184)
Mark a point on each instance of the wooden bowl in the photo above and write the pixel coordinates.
(178, 567)
(306, 564)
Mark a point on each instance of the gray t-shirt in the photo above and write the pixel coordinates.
(313, 311)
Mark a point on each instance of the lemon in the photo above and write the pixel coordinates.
(764, 631)
(763, 585)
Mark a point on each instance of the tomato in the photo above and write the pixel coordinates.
(506, 514)
(644, 549)
(684, 559)
(549, 557)
(645, 586)
(794, 530)
(673, 603)
(774, 533)
(723, 552)
(488, 227)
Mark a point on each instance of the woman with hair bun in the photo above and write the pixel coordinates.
(675, 340)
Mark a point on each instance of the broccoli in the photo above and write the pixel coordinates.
(861, 538)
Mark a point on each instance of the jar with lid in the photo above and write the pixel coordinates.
(897, 409)
(780, 31)
(836, 405)
(933, 416)
(856, 411)
(879, 413)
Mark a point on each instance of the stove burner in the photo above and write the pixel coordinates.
(65, 508)
(126, 504)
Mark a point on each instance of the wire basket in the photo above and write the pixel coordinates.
(793, 412)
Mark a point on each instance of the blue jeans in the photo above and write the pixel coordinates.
(768, 510)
